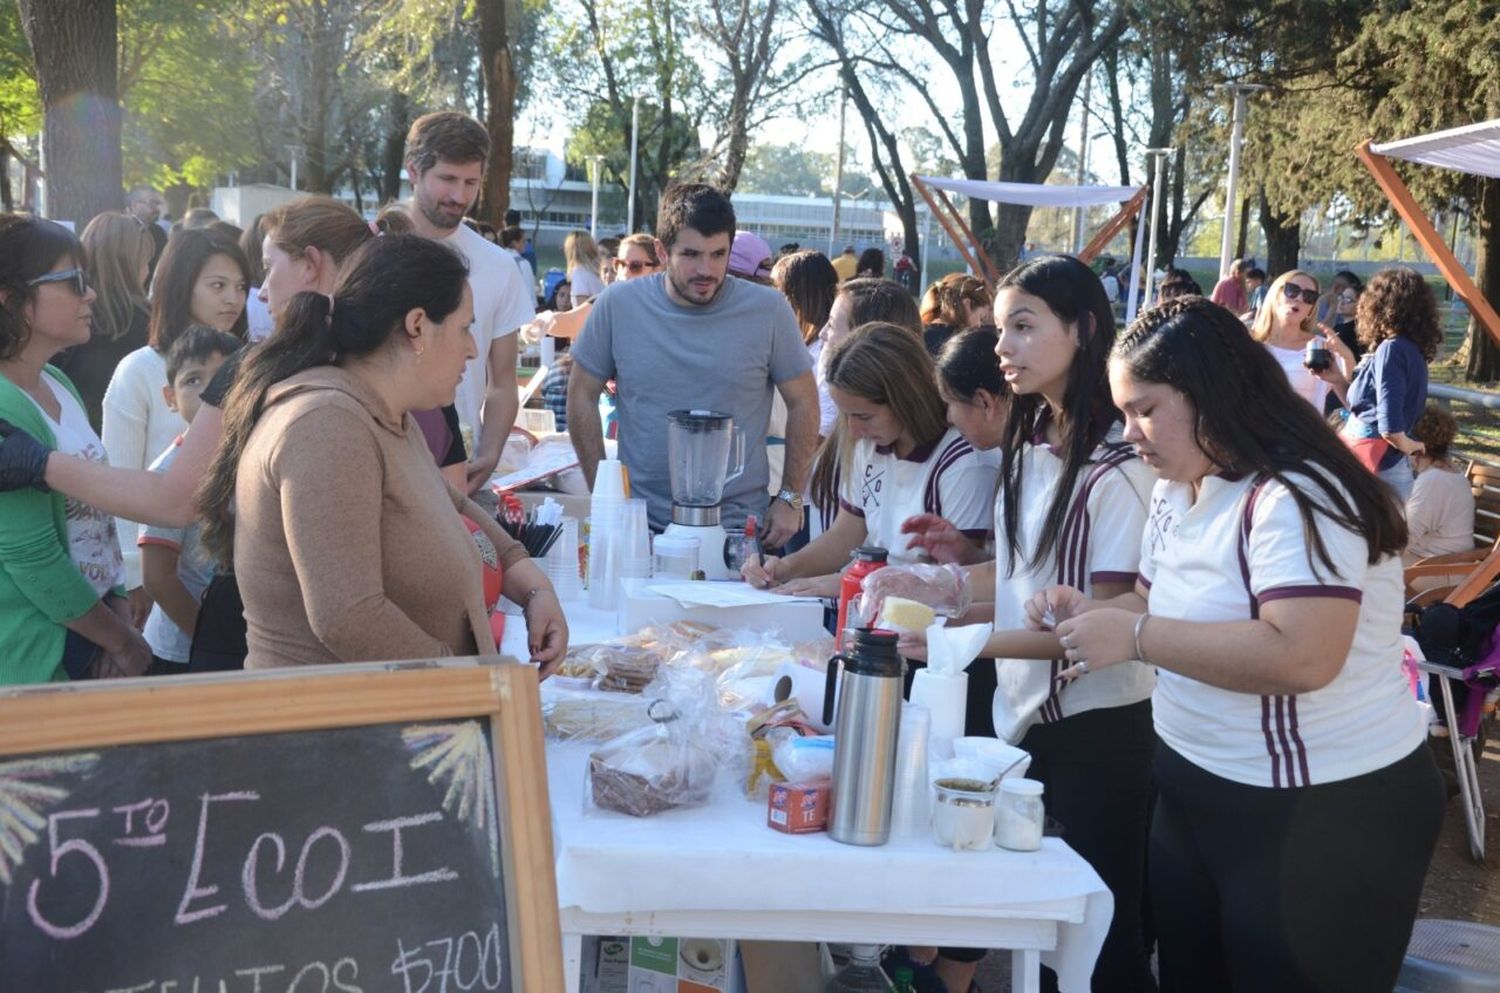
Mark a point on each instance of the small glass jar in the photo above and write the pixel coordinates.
(1019, 815)
(675, 557)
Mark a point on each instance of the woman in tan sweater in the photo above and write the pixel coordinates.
(348, 544)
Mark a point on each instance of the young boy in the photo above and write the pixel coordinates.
(175, 568)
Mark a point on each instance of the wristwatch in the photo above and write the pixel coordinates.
(790, 497)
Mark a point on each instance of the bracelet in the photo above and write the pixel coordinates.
(531, 595)
(1140, 625)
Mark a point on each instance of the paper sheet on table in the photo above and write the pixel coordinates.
(547, 459)
(701, 594)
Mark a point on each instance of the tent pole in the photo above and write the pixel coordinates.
(961, 243)
(1107, 233)
(1427, 236)
(991, 271)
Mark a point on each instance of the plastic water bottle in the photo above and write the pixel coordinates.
(862, 974)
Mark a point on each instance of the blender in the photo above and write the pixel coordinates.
(700, 444)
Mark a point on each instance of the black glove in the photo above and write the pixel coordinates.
(23, 460)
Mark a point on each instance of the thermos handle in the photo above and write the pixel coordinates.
(828, 690)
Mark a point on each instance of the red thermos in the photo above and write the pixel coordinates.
(867, 559)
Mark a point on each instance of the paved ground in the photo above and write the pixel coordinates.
(1457, 888)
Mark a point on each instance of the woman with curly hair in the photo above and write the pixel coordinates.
(1398, 325)
(952, 304)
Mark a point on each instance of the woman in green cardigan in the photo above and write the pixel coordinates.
(60, 567)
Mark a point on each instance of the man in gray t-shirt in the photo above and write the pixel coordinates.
(693, 337)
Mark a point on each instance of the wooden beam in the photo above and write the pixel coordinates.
(990, 272)
(1427, 236)
(1112, 227)
(959, 241)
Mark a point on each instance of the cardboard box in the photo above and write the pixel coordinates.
(684, 965)
(606, 965)
(797, 620)
(798, 808)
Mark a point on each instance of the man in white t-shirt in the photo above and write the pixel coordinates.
(445, 157)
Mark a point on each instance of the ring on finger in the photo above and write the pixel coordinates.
(1082, 666)
(1066, 641)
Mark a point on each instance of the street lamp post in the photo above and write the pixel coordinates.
(1240, 91)
(596, 165)
(295, 151)
(635, 133)
(1083, 160)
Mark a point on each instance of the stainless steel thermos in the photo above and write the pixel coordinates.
(866, 728)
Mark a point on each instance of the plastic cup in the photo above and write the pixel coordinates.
(609, 480)
(606, 554)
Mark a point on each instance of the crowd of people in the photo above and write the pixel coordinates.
(1187, 535)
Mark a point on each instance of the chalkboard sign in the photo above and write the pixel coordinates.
(335, 829)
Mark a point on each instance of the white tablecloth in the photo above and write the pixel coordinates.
(724, 857)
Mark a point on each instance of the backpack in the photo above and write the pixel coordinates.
(1457, 636)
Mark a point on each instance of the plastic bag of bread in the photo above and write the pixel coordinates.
(589, 715)
(628, 664)
(944, 588)
(673, 762)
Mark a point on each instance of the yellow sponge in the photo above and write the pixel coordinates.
(901, 614)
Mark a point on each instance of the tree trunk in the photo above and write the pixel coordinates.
(1010, 235)
(393, 149)
(1484, 352)
(74, 44)
(1283, 239)
(7, 200)
(323, 62)
(739, 145)
(500, 107)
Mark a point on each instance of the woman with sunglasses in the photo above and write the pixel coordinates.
(62, 602)
(1286, 324)
(636, 257)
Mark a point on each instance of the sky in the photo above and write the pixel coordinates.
(819, 131)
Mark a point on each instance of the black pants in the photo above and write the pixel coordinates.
(1097, 770)
(219, 639)
(1288, 890)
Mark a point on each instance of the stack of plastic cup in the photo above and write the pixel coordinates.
(561, 563)
(635, 533)
(911, 802)
(607, 546)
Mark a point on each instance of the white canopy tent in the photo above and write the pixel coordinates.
(1473, 149)
(1033, 194)
(1130, 198)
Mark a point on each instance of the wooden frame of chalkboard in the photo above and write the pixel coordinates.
(501, 695)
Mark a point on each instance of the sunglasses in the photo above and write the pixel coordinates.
(636, 265)
(76, 278)
(1293, 291)
(1348, 298)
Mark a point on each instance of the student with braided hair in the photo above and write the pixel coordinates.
(1298, 805)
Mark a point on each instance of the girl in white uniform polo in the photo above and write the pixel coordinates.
(898, 458)
(1071, 508)
(1298, 805)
